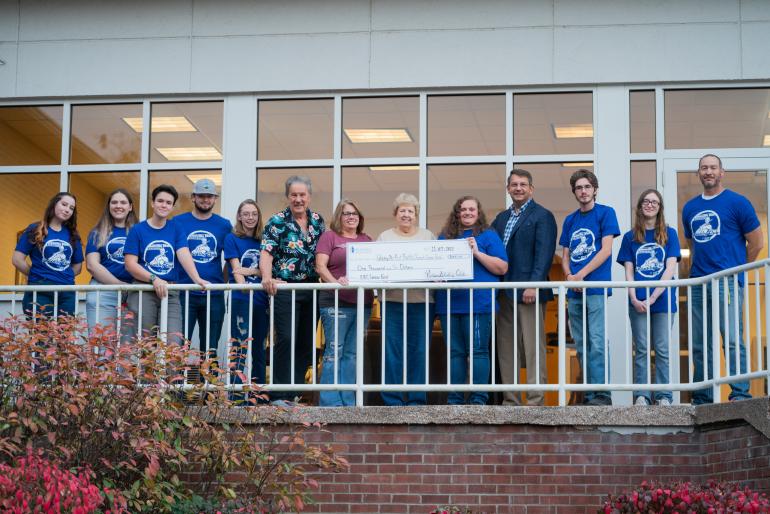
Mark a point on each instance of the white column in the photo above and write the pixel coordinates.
(239, 178)
(612, 147)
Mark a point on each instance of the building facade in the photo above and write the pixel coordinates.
(373, 98)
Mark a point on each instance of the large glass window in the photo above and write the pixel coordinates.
(374, 188)
(447, 183)
(552, 189)
(25, 197)
(717, 118)
(271, 195)
(642, 118)
(381, 127)
(644, 175)
(553, 123)
(92, 191)
(186, 131)
(106, 134)
(466, 125)
(296, 129)
(183, 181)
(30, 135)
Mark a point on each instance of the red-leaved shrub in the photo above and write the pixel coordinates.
(711, 498)
(33, 484)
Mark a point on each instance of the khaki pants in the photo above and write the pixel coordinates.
(527, 339)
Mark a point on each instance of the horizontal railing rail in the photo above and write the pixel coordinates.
(740, 359)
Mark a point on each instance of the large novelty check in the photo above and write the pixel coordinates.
(409, 261)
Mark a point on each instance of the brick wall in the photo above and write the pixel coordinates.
(524, 468)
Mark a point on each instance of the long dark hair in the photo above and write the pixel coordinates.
(661, 234)
(106, 224)
(239, 230)
(38, 235)
(453, 228)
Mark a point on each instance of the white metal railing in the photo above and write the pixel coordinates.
(742, 362)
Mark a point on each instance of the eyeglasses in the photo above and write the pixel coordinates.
(653, 203)
(349, 214)
(587, 187)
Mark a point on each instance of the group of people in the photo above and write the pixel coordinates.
(294, 246)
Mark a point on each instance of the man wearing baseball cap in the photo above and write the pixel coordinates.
(205, 233)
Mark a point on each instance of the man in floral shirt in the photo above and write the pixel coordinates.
(288, 255)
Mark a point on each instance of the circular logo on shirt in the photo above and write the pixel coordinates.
(57, 254)
(114, 249)
(650, 259)
(582, 245)
(159, 257)
(203, 246)
(250, 259)
(705, 226)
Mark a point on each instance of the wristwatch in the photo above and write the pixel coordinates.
(153, 276)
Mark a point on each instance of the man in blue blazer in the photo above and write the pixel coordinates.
(528, 231)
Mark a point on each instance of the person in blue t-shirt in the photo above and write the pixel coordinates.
(650, 252)
(55, 256)
(205, 233)
(242, 249)
(150, 254)
(586, 239)
(490, 261)
(722, 231)
(104, 258)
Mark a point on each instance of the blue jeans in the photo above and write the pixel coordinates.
(239, 328)
(108, 308)
(417, 341)
(45, 301)
(460, 340)
(701, 346)
(660, 333)
(195, 312)
(595, 338)
(340, 347)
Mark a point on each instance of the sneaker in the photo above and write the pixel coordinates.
(664, 402)
(642, 401)
(283, 403)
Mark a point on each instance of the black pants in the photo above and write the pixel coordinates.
(303, 340)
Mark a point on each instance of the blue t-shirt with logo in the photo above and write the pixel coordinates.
(582, 233)
(205, 239)
(156, 248)
(111, 254)
(52, 263)
(489, 243)
(717, 225)
(246, 250)
(649, 259)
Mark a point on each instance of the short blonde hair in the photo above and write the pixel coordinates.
(406, 199)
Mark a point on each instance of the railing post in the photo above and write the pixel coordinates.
(163, 317)
(715, 351)
(360, 326)
(764, 328)
(562, 346)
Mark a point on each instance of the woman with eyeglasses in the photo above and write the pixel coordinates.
(339, 308)
(242, 249)
(650, 252)
(406, 319)
(104, 258)
(55, 256)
